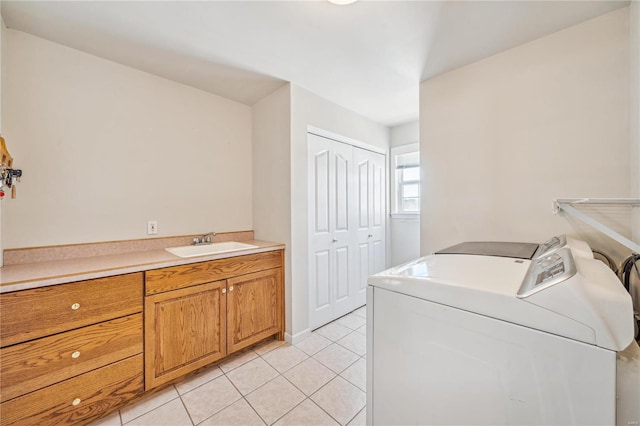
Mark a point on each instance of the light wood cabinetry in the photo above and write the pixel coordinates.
(70, 352)
(254, 307)
(196, 314)
(185, 331)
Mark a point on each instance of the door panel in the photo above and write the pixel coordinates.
(322, 280)
(321, 179)
(378, 195)
(363, 194)
(342, 193)
(342, 273)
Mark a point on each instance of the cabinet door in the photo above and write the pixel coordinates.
(254, 307)
(184, 330)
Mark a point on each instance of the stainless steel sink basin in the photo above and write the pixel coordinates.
(205, 249)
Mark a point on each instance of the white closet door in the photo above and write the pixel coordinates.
(330, 229)
(370, 212)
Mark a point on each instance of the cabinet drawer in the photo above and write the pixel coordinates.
(29, 366)
(94, 394)
(166, 279)
(31, 314)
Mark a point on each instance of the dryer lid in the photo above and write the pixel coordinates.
(493, 248)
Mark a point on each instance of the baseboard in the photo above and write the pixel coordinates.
(298, 337)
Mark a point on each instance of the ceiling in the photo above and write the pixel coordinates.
(369, 56)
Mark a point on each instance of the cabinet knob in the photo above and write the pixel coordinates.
(76, 401)
(224, 290)
(370, 235)
(75, 306)
(231, 288)
(75, 355)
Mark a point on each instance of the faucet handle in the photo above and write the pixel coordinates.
(196, 240)
(207, 239)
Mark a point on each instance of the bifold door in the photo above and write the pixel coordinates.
(346, 225)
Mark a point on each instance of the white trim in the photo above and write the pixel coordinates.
(409, 216)
(298, 337)
(344, 139)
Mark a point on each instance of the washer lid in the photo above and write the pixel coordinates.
(493, 248)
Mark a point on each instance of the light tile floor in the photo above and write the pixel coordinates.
(319, 381)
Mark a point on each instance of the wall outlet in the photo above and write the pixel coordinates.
(152, 227)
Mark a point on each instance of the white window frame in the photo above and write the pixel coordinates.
(395, 151)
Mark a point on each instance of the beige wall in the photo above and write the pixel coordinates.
(2, 63)
(105, 148)
(308, 109)
(634, 53)
(272, 177)
(502, 137)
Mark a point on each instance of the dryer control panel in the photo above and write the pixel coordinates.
(548, 270)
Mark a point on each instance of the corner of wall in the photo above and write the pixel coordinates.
(634, 125)
(271, 165)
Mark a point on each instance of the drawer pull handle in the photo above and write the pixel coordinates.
(76, 401)
(224, 290)
(231, 288)
(75, 306)
(75, 355)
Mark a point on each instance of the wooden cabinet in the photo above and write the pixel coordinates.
(70, 352)
(197, 314)
(254, 306)
(185, 330)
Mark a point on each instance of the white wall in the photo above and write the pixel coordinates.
(104, 148)
(502, 137)
(272, 177)
(404, 134)
(308, 109)
(404, 234)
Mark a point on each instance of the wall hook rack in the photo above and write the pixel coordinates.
(8, 175)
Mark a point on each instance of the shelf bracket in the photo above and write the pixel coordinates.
(567, 205)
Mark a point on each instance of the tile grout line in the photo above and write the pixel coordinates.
(185, 405)
(307, 356)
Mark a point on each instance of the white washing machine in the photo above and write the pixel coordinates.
(503, 338)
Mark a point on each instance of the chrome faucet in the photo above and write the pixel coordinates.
(205, 239)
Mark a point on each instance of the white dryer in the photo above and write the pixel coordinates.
(498, 338)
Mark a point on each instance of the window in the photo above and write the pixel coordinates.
(405, 179)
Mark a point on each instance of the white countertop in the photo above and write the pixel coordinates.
(41, 274)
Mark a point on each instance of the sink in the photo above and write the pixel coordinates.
(205, 249)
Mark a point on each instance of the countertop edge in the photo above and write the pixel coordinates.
(156, 259)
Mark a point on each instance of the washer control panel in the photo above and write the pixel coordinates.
(548, 270)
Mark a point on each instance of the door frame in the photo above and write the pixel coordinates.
(346, 140)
